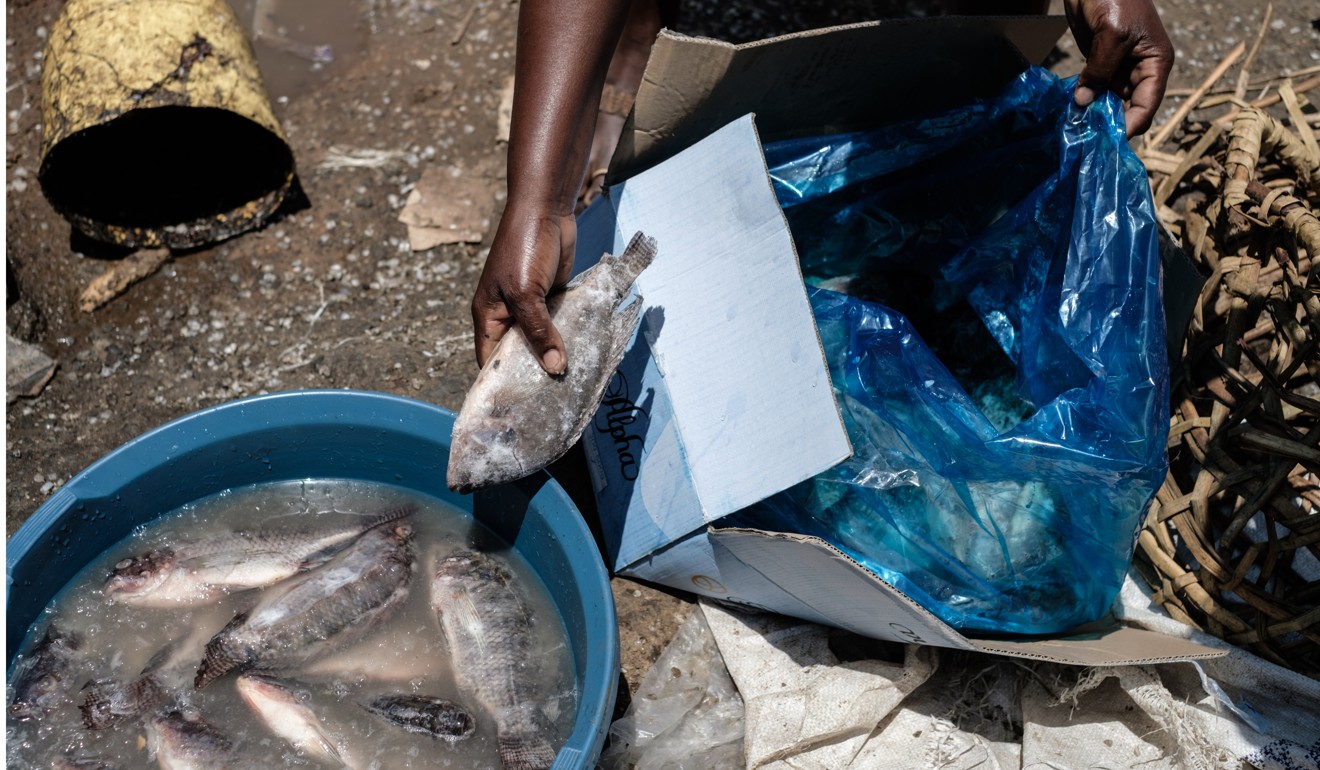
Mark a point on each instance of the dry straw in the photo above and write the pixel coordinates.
(1231, 544)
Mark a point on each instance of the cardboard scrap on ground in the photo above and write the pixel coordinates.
(27, 369)
(448, 205)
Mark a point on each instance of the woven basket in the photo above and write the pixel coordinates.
(1230, 544)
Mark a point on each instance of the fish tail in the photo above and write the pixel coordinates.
(526, 751)
(637, 256)
(219, 660)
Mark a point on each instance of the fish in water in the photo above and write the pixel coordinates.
(488, 628)
(184, 741)
(425, 714)
(46, 675)
(336, 604)
(516, 419)
(286, 715)
(200, 572)
(107, 702)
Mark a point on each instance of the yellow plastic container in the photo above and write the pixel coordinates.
(156, 127)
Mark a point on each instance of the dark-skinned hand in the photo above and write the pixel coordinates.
(532, 253)
(1127, 51)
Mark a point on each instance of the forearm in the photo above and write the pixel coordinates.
(564, 50)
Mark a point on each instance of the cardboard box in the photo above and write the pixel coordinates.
(724, 398)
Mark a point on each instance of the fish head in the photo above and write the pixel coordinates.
(138, 575)
(99, 707)
(469, 565)
(482, 455)
(179, 731)
(37, 697)
(254, 688)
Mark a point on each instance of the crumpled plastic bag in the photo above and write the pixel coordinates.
(1006, 388)
(687, 713)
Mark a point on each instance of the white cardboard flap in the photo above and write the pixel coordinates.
(823, 578)
(820, 576)
(729, 392)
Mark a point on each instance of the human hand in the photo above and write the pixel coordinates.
(1127, 51)
(532, 253)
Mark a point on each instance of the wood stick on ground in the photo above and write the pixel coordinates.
(1158, 137)
(1303, 129)
(120, 275)
(1245, 75)
(1259, 82)
(1271, 100)
(1194, 156)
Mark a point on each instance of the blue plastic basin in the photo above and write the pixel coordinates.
(323, 434)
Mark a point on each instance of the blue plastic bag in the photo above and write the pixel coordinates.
(1009, 423)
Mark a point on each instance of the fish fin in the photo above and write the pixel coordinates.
(637, 256)
(328, 747)
(630, 318)
(526, 752)
(219, 658)
(396, 513)
(466, 615)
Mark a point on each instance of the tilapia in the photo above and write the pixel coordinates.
(46, 676)
(334, 605)
(107, 702)
(286, 715)
(488, 628)
(184, 741)
(516, 419)
(425, 714)
(200, 572)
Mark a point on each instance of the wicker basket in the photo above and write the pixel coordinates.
(1230, 544)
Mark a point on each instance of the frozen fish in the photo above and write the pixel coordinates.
(336, 604)
(488, 626)
(44, 678)
(516, 419)
(425, 714)
(201, 571)
(281, 710)
(182, 741)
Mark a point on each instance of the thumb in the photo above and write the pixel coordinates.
(533, 318)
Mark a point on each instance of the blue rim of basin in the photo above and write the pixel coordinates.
(352, 434)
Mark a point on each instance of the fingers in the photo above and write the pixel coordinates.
(491, 320)
(1109, 49)
(1128, 52)
(1145, 100)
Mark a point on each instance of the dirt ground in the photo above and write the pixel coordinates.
(332, 296)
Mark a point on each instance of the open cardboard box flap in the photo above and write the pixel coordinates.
(821, 576)
(724, 398)
(823, 81)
